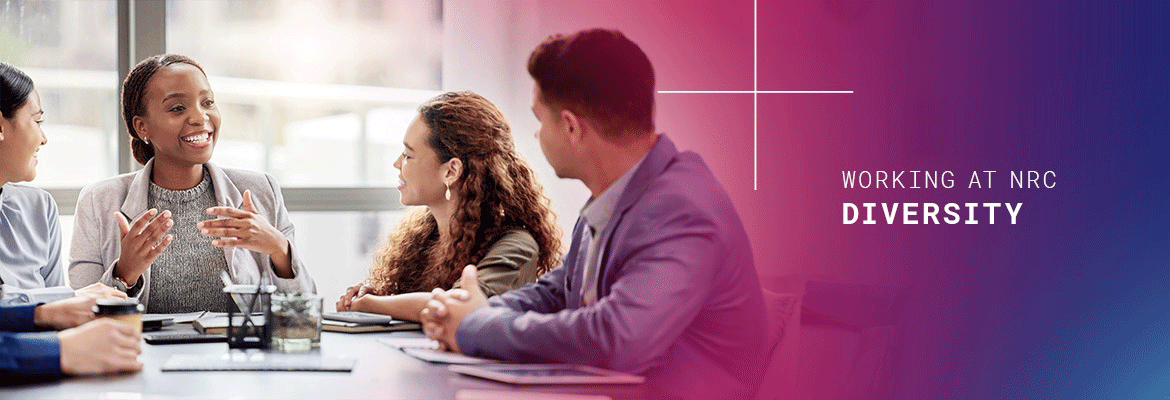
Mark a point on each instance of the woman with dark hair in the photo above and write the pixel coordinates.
(154, 233)
(482, 206)
(30, 246)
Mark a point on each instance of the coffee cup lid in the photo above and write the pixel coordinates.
(117, 307)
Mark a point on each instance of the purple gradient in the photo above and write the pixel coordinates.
(1061, 305)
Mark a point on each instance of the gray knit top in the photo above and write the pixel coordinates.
(186, 274)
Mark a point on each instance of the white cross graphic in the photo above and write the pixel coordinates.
(755, 92)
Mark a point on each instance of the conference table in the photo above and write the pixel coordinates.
(380, 372)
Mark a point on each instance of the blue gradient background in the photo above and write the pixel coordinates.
(1073, 302)
(1070, 303)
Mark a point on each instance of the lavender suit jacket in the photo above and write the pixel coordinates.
(679, 298)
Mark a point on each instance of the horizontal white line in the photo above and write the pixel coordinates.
(754, 91)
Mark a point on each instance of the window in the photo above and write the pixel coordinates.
(319, 94)
(70, 55)
(308, 91)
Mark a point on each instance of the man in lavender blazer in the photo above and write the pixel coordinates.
(659, 279)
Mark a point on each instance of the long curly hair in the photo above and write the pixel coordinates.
(498, 193)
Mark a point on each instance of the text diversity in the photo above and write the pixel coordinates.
(967, 213)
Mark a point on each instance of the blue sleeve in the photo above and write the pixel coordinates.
(18, 318)
(546, 295)
(29, 355)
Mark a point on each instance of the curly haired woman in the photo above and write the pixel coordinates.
(483, 206)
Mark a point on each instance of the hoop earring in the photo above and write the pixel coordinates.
(448, 193)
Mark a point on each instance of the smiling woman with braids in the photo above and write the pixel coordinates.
(165, 233)
(483, 206)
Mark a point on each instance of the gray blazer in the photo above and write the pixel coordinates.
(96, 237)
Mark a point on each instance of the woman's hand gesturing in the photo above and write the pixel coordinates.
(245, 228)
(142, 242)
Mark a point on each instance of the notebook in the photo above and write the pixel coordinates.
(484, 394)
(547, 374)
(255, 360)
(445, 357)
(410, 342)
(428, 350)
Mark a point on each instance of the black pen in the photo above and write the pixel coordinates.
(131, 220)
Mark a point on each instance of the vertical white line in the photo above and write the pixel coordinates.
(755, 93)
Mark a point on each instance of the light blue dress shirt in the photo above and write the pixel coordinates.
(30, 247)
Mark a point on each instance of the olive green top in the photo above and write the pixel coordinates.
(509, 264)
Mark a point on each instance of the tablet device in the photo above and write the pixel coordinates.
(351, 327)
(546, 374)
(358, 317)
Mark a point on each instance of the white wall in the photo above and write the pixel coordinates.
(485, 49)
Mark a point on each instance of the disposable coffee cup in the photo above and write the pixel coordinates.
(126, 311)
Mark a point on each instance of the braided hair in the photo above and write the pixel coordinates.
(498, 193)
(133, 91)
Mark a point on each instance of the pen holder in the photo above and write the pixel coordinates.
(249, 309)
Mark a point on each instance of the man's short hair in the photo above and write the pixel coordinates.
(600, 75)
